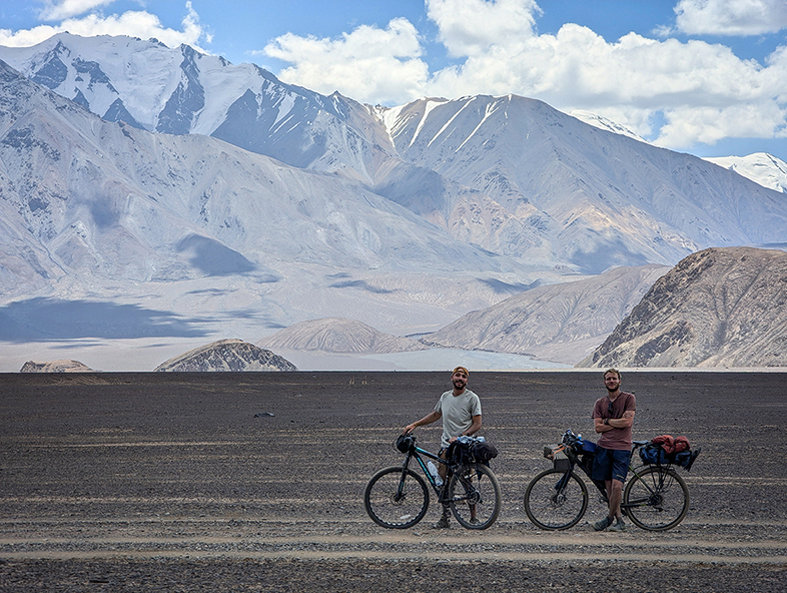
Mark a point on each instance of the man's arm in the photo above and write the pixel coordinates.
(474, 427)
(605, 424)
(432, 416)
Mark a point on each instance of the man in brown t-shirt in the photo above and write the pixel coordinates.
(613, 416)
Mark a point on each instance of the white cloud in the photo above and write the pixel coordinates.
(469, 27)
(731, 17)
(55, 10)
(133, 23)
(710, 124)
(369, 64)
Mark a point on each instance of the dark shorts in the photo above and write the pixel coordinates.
(610, 464)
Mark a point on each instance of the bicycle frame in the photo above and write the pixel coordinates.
(573, 459)
(636, 471)
(574, 462)
(418, 453)
(397, 497)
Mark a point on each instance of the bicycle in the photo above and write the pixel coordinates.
(398, 498)
(655, 498)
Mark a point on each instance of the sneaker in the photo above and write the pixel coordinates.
(474, 521)
(618, 526)
(602, 524)
(442, 523)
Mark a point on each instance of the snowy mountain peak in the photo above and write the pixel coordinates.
(604, 123)
(761, 167)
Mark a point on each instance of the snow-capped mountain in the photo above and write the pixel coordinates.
(93, 210)
(509, 174)
(604, 123)
(761, 167)
(181, 91)
(595, 198)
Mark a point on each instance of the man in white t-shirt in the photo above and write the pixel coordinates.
(460, 410)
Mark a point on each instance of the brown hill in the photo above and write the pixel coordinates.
(720, 307)
(227, 355)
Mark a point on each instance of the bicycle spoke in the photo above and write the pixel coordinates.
(556, 500)
(656, 499)
(474, 497)
(396, 499)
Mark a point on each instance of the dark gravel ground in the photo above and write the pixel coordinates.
(254, 482)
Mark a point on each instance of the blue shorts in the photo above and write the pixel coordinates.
(610, 464)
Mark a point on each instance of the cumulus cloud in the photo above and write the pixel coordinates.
(55, 10)
(468, 27)
(134, 23)
(731, 17)
(369, 64)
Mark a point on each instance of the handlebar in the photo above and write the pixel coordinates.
(570, 439)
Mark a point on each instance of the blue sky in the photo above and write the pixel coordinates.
(701, 76)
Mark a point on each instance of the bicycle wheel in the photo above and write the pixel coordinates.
(555, 499)
(474, 496)
(656, 499)
(396, 498)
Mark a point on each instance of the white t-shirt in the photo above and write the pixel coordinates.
(458, 412)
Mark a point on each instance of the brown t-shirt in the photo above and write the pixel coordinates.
(617, 438)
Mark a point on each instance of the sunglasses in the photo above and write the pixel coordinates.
(609, 409)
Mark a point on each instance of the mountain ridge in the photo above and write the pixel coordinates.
(558, 322)
(340, 335)
(509, 174)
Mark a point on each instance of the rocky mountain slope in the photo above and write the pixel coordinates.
(561, 322)
(338, 335)
(716, 308)
(227, 355)
(55, 366)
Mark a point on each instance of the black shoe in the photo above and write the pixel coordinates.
(618, 526)
(442, 523)
(602, 524)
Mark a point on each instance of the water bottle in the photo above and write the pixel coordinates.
(433, 470)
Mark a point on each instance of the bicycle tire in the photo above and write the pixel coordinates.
(474, 496)
(396, 498)
(555, 510)
(656, 499)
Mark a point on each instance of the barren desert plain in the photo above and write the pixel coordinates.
(179, 482)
